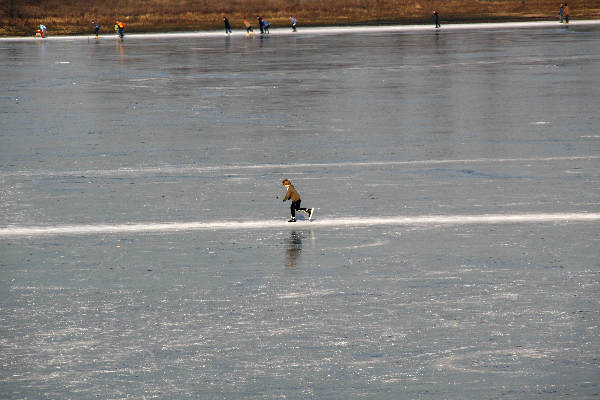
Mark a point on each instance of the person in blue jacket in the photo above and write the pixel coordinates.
(293, 21)
(96, 28)
(561, 12)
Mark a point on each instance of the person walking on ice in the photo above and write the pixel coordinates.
(248, 28)
(227, 26)
(561, 12)
(119, 26)
(261, 24)
(294, 22)
(96, 27)
(42, 30)
(293, 195)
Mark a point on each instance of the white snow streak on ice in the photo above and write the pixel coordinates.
(432, 220)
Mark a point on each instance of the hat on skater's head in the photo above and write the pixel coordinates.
(286, 182)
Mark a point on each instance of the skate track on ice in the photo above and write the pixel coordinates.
(423, 220)
(197, 169)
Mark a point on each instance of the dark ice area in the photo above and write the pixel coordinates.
(463, 122)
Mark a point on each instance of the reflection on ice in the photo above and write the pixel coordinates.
(293, 248)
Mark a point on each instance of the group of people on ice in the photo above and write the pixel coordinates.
(563, 12)
(263, 25)
(119, 28)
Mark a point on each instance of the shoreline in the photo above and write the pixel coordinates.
(319, 30)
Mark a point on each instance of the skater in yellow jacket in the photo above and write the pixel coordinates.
(293, 195)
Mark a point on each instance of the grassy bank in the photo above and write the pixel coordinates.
(21, 17)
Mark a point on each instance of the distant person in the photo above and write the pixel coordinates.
(96, 28)
(566, 13)
(293, 195)
(119, 27)
(42, 30)
(293, 21)
(561, 12)
(261, 24)
(436, 17)
(267, 24)
(248, 28)
(227, 25)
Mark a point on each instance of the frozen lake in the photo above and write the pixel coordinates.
(455, 250)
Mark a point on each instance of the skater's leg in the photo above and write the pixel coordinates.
(293, 212)
(307, 211)
(296, 207)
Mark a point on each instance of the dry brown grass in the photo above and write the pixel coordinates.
(73, 17)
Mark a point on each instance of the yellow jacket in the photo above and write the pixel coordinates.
(291, 194)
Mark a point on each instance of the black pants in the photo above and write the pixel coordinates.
(296, 207)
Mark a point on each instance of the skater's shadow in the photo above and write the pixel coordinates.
(293, 248)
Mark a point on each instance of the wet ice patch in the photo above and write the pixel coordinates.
(312, 293)
(361, 246)
(148, 79)
(510, 361)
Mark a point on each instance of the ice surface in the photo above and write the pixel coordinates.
(430, 128)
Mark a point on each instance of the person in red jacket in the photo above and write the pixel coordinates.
(293, 195)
